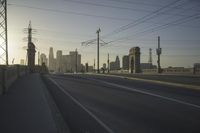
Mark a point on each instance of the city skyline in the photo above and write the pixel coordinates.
(60, 26)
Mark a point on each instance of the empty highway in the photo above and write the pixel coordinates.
(96, 104)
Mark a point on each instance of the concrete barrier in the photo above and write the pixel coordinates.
(176, 71)
(149, 71)
(180, 71)
(8, 74)
(2, 79)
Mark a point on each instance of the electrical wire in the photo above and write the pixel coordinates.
(143, 19)
(68, 12)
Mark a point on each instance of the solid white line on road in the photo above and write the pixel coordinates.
(148, 93)
(83, 107)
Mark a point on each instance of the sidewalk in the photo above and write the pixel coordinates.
(25, 108)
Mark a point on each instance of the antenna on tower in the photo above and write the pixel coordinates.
(30, 31)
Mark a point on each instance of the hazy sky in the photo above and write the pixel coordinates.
(64, 24)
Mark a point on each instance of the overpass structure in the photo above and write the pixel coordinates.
(32, 101)
(88, 103)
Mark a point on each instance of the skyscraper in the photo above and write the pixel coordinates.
(71, 62)
(117, 63)
(125, 62)
(51, 60)
(59, 61)
(75, 61)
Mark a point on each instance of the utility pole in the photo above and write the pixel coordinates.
(87, 43)
(108, 64)
(150, 56)
(39, 58)
(3, 32)
(76, 61)
(94, 66)
(98, 31)
(159, 51)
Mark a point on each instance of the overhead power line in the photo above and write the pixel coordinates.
(69, 12)
(88, 15)
(108, 6)
(164, 26)
(176, 22)
(117, 7)
(147, 4)
(136, 3)
(161, 27)
(143, 19)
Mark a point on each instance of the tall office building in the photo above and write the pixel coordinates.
(71, 62)
(51, 60)
(59, 61)
(125, 62)
(75, 61)
(66, 66)
(117, 63)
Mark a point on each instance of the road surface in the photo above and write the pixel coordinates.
(96, 104)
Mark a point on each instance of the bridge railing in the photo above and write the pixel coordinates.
(8, 74)
(187, 71)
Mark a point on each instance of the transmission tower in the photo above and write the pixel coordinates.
(30, 48)
(3, 33)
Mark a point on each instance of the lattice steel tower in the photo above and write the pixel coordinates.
(31, 50)
(3, 33)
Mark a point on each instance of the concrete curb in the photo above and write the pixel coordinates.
(61, 125)
(194, 87)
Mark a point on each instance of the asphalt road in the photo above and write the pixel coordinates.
(96, 104)
(183, 79)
